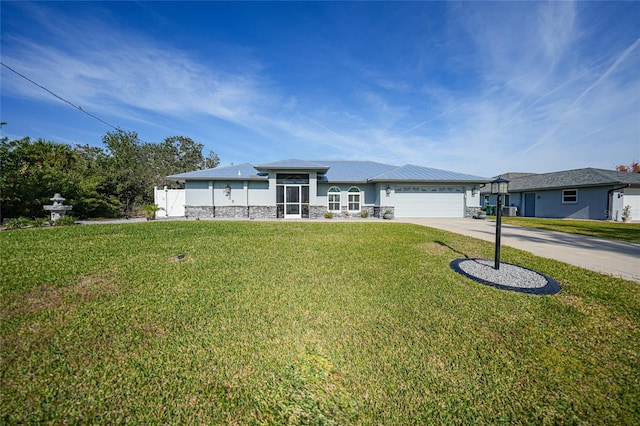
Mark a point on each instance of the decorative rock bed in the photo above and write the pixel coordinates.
(508, 277)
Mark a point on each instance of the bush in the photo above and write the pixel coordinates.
(21, 222)
(65, 221)
(150, 210)
(328, 215)
(40, 222)
(364, 214)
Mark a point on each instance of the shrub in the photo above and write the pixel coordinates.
(65, 221)
(328, 215)
(40, 222)
(364, 214)
(18, 223)
(150, 210)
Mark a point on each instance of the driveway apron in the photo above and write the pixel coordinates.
(617, 258)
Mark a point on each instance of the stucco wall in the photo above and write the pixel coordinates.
(197, 193)
(368, 192)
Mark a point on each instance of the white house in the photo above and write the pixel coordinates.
(308, 189)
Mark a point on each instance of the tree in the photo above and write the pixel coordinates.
(31, 172)
(97, 182)
(633, 168)
(126, 167)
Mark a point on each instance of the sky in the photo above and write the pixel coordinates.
(475, 87)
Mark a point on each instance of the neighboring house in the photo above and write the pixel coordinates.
(577, 194)
(309, 189)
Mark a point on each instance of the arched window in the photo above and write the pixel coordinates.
(334, 199)
(354, 199)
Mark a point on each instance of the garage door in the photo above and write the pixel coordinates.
(428, 201)
(632, 198)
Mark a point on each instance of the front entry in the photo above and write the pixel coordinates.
(530, 204)
(292, 208)
(292, 196)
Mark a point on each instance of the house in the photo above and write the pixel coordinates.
(587, 193)
(309, 189)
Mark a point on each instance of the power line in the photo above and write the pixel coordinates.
(79, 108)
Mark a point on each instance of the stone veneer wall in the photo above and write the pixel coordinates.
(198, 212)
(268, 212)
(472, 211)
(317, 212)
(379, 211)
(230, 212)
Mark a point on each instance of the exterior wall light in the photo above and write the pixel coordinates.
(388, 190)
(499, 187)
(227, 190)
(474, 191)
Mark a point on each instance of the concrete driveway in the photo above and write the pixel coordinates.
(616, 258)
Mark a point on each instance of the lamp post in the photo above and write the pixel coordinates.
(499, 187)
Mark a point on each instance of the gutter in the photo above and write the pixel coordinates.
(610, 196)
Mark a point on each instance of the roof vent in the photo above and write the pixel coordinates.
(239, 173)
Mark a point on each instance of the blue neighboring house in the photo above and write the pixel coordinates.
(295, 189)
(587, 193)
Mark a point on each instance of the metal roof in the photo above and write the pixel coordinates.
(292, 164)
(354, 171)
(333, 171)
(242, 171)
(572, 179)
(412, 173)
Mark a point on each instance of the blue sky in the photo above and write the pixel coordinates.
(474, 87)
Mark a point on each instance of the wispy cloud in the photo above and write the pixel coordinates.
(505, 86)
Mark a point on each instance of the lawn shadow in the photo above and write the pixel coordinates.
(452, 249)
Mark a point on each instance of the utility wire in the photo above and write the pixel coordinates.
(57, 96)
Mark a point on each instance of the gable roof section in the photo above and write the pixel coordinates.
(242, 171)
(573, 179)
(412, 173)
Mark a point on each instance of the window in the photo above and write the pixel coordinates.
(569, 196)
(354, 199)
(334, 199)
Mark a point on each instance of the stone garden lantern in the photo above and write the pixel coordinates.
(57, 209)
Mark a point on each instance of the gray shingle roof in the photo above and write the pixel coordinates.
(572, 179)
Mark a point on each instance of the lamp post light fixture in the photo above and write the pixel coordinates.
(499, 187)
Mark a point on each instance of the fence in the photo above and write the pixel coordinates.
(170, 200)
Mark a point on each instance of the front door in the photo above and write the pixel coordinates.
(292, 195)
(292, 208)
(530, 204)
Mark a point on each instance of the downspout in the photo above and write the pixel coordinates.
(610, 199)
(246, 185)
(213, 198)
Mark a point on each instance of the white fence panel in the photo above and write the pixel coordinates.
(171, 200)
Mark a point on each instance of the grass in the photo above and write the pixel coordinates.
(302, 323)
(629, 232)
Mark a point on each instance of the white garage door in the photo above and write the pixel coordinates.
(632, 198)
(428, 201)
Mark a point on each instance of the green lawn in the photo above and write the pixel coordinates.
(302, 323)
(629, 232)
